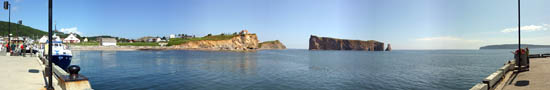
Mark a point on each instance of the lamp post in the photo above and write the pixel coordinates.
(50, 87)
(7, 7)
(18, 32)
(519, 36)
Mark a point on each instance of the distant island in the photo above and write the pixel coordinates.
(513, 46)
(327, 43)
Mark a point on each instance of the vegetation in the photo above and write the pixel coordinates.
(85, 44)
(94, 38)
(270, 42)
(274, 41)
(22, 30)
(138, 44)
(176, 41)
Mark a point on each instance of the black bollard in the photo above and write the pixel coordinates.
(47, 72)
(73, 71)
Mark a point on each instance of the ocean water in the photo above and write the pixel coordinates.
(294, 69)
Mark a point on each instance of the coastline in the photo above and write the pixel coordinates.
(136, 48)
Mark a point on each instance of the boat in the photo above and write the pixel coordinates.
(61, 55)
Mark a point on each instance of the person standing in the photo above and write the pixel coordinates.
(22, 50)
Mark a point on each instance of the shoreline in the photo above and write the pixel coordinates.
(152, 48)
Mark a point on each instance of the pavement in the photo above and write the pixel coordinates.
(22, 73)
(537, 78)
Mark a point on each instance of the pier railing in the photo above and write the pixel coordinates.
(70, 80)
(490, 82)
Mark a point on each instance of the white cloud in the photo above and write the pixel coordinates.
(528, 28)
(71, 30)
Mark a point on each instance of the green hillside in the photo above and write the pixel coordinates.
(19, 30)
(22, 30)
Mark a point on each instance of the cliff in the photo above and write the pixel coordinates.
(513, 46)
(326, 43)
(272, 45)
(388, 48)
(236, 43)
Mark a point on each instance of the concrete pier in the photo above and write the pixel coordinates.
(506, 77)
(21, 73)
(537, 78)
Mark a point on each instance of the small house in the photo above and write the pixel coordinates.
(71, 39)
(85, 39)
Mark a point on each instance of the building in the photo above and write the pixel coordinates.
(44, 39)
(71, 39)
(244, 32)
(85, 39)
(172, 36)
(107, 41)
(158, 40)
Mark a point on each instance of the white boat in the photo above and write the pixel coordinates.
(61, 55)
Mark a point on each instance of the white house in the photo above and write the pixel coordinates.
(44, 39)
(172, 36)
(107, 41)
(85, 39)
(71, 39)
(158, 40)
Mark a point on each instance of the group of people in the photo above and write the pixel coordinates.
(18, 48)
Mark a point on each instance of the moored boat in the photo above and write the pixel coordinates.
(61, 55)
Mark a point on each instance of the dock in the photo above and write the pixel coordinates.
(537, 78)
(508, 78)
(21, 73)
(28, 73)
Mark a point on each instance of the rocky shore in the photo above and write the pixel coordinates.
(271, 45)
(238, 43)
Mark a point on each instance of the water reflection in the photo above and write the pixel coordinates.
(108, 59)
(243, 63)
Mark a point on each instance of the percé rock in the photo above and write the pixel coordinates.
(240, 42)
(271, 45)
(388, 48)
(326, 43)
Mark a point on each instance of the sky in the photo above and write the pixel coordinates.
(405, 24)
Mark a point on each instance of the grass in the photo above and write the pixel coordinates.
(271, 42)
(119, 44)
(138, 44)
(85, 44)
(177, 41)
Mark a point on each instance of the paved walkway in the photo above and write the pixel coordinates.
(538, 78)
(20, 73)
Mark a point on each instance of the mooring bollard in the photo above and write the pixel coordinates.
(73, 71)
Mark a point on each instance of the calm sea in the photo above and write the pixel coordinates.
(289, 69)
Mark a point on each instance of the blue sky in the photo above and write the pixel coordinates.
(405, 24)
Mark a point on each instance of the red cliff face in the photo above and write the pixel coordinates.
(326, 43)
